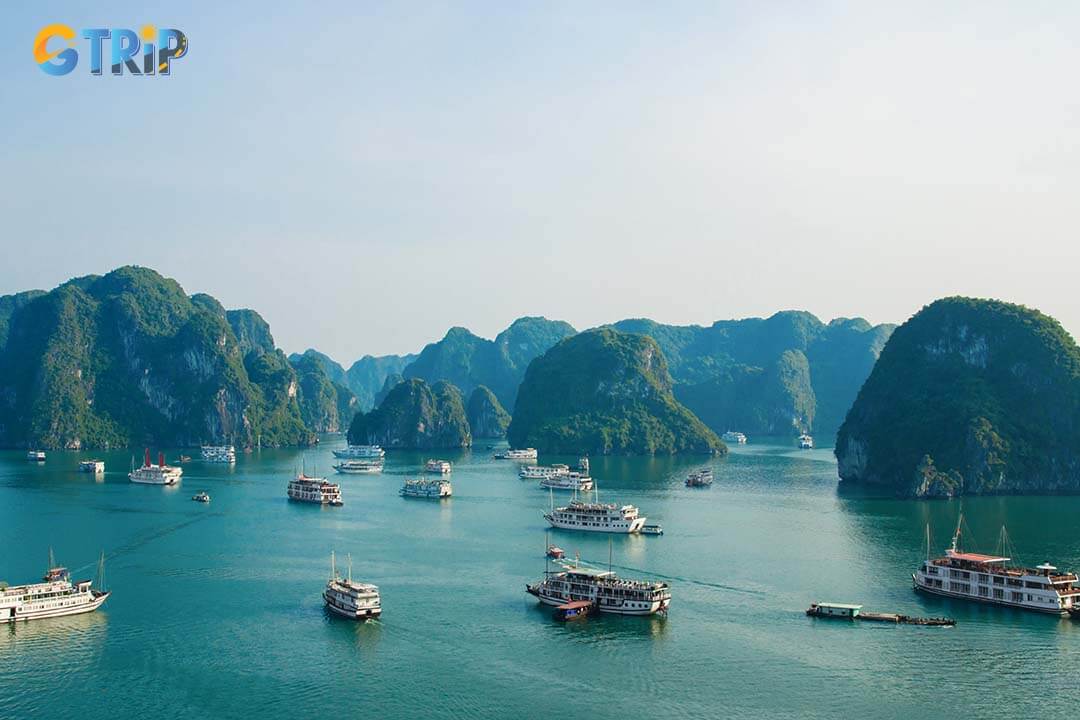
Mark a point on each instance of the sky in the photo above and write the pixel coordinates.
(367, 175)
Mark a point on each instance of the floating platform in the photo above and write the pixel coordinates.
(845, 611)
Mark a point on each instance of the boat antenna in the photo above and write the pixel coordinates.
(101, 572)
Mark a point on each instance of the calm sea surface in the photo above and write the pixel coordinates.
(216, 610)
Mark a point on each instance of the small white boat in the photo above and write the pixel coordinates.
(700, 478)
(225, 454)
(201, 497)
(434, 488)
(806, 442)
(438, 467)
(519, 454)
(92, 466)
(652, 530)
(35, 455)
(359, 467)
(734, 437)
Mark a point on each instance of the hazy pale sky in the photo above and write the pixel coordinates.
(366, 175)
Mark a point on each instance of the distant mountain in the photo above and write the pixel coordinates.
(325, 406)
(467, 361)
(334, 372)
(605, 392)
(968, 397)
(415, 415)
(486, 415)
(784, 374)
(128, 358)
(367, 376)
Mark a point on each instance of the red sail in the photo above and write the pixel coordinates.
(147, 461)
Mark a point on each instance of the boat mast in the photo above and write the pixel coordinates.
(333, 567)
(609, 541)
(349, 557)
(927, 542)
(956, 535)
(52, 560)
(101, 572)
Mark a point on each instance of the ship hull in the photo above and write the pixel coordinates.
(652, 609)
(941, 592)
(45, 614)
(630, 529)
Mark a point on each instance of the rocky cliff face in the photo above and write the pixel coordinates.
(968, 397)
(605, 392)
(487, 418)
(128, 358)
(415, 415)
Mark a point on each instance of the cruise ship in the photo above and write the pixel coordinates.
(314, 490)
(359, 467)
(560, 476)
(438, 467)
(520, 454)
(219, 454)
(542, 472)
(434, 488)
(160, 474)
(603, 589)
(989, 579)
(353, 452)
(354, 600)
(700, 478)
(734, 437)
(571, 480)
(35, 455)
(596, 517)
(806, 442)
(92, 466)
(54, 596)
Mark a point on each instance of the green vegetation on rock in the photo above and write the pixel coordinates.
(128, 358)
(605, 392)
(415, 415)
(968, 397)
(487, 417)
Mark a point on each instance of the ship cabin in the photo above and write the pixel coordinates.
(837, 610)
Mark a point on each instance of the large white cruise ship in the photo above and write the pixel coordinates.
(559, 476)
(160, 474)
(354, 600)
(219, 454)
(518, 454)
(603, 589)
(314, 490)
(988, 579)
(353, 452)
(54, 596)
(596, 517)
(436, 488)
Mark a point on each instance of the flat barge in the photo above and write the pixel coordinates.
(845, 611)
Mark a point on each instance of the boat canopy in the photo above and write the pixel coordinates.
(976, 557)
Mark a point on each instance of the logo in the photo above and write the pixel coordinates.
(147, 52)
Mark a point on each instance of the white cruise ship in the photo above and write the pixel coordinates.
(603, 589)
(434, 488)
(520, 454)
(160, 474)
(439, 467)
(700, 478)
(988, 579)
(35, 455)
(596, 517)
(571, 480)
(54, 596)
(734, 437)
(219, 454)
(359, 467)
(314, 490)
(92, 466)
(353, 452)
(354, 600)
(542, 472)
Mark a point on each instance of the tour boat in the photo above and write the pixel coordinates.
(520, 454)
(570, 481)
(989, 579)
(806, 442)
(734, 437)
(35, 455)
(353, 452)
(54, 596)
(603, 589)
(354, 600)
(201, 497)
(359, 467)
(434, 488)
(574, 610)
(555, 553)
(314, 490)
(92, 466)
(652, 529)
(596, 517)
(699, 478)
(219, 454)
(439, 467)
(542, 472)
(160, 474)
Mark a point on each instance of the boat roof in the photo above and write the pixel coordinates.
(575, 605)
(976, 557)
(589, 571)
(839, 606)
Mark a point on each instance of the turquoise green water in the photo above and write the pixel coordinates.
(217, 612)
